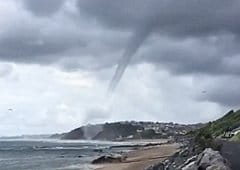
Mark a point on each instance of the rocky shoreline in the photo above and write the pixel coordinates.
(207, 160)
(192, 157)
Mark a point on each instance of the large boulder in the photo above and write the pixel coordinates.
(208, 160)
(109, 159)
(158, 166)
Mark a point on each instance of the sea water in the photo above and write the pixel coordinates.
(50, 154)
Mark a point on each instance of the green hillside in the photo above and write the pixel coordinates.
(225, 124)
(205, 137)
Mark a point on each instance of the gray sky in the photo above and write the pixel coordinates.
(58, 57)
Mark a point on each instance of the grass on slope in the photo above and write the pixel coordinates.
(227, 123)
(205, 137)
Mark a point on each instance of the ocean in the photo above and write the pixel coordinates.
(51, 154)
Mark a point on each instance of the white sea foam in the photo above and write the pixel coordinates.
(79, 167)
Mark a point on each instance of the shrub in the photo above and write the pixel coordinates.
(205, 139)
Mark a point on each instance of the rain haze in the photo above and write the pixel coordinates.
(67, 63)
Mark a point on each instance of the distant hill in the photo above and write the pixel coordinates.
(118, 131)
(84, 132)
(113, 131)
(57, 136)
(74, 134)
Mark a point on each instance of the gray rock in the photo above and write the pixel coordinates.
(193, 158)
(210, 159)
(189, 163)
(207, 160)
(159, 166)
(184, 153)
(217, 167)
(190, 166)
(109, 159)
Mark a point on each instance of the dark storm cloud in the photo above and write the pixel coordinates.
(172, 21)
(175, 19)
(195, 56)
(223, 90)
(226, 96)
(43, 7)
(178, 18)
(31, 45)
(184, 37)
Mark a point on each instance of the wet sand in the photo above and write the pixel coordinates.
(142, 158)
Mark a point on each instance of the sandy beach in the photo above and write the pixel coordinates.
(142, 158)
